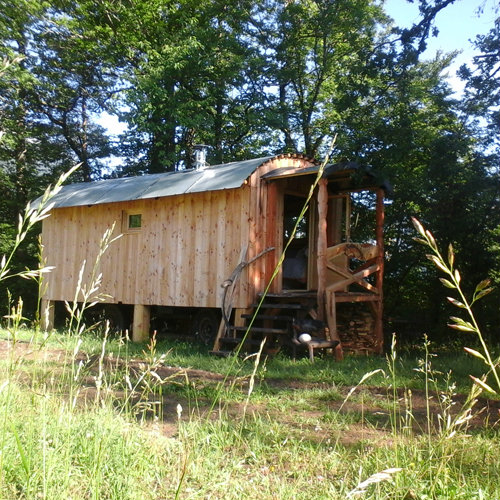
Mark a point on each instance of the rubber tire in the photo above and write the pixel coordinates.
(205, 326)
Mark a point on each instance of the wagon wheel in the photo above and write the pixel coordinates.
(205, 326)
(96, 317)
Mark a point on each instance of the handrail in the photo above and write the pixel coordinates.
(361, 251)
(366, 253)
(229, 284)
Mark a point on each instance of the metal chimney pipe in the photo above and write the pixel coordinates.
(200, 156)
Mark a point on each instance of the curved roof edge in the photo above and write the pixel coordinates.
(212, 178)
(350, 174)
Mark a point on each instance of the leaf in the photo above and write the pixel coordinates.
(466, 326)
(437, 262)
(482, 384)
(483, 285)
(462, 328)
(46, 269)
(420, 240)
(446, 283)
(22, 454)
(475, 353)
(366, 376)
(482, 293)
(385, 475)
(457, 303)
(432, 241)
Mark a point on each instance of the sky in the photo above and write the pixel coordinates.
(458, 24)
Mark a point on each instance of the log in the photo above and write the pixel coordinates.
(322, 245)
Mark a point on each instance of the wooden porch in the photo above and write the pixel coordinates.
(348, 298)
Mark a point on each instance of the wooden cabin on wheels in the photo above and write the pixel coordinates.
(203, 245)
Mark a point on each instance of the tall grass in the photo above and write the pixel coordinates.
(87, 416)
(470, 324)
(89, 426)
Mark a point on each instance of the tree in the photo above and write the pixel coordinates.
(482, 90)
(480, 109)
(192, 78)
(319, 49)
(39, 93)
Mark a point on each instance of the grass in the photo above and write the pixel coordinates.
(323, 371)
(84, 417)
(79, 426)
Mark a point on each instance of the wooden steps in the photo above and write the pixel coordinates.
(268, 316)
(274, 331)
(277, 305)
(272, 322)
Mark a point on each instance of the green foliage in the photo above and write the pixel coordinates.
(320, 50)
(482, 95)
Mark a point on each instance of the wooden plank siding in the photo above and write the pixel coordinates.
(187, 245)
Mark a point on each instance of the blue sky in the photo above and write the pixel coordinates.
(458, 24)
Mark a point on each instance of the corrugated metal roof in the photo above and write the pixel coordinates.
(290, 172)
(213, 178)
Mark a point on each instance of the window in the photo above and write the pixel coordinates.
(131, 222)
(134, 221)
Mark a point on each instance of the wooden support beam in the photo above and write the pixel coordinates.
(47, 315)
(356, 297)
(322, 245)
(140, 330)
(271, 236)
(356, 277)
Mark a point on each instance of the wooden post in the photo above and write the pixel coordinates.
(331, 317)
(379, 327)
(47, 315)
(140, 329)
(322, 245)
(271, 238)
(220, 333)
(348, 209)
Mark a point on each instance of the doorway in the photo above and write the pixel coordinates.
(296, 263)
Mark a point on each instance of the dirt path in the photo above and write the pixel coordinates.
(368, 410)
